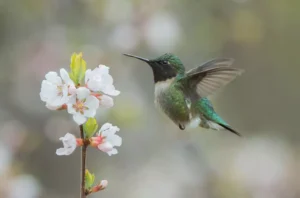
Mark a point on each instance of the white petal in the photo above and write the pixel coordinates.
(108, 130)
(90, 113)
(58, 100)
(87, 75)
(107, 79)
(52, 107)
(112, 152)
(64, 97)
(71, 102)
(105, 127)
(60, 151)
(101, 69)
(94, 85)
(72, 89)
(71, 110)
(69, 137)
(110, 90)
(105, 147)
(43, 97)
(65, 77)
(106, 101)
(92, 102)
(53, 78)
(79, 119)
(48, 91)
(115, 140)
(82, 93)
(65, 151)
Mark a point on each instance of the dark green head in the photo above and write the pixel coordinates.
(164, 67)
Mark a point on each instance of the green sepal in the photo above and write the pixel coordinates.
(78, 68)
(89, 179)
(90, 127)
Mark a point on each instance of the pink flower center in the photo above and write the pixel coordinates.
(79, 107)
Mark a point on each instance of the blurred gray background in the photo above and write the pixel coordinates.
(156, 158)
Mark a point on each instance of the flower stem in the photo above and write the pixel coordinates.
(83, 162)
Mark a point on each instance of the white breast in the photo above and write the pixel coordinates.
(161, 87)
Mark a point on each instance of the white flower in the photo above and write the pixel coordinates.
(82, 105)
(99, 80)
(55, 89)
(69, 142)
(109, 139)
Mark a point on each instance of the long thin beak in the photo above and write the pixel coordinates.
(137, 57)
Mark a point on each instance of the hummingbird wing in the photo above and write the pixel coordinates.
(212, 75)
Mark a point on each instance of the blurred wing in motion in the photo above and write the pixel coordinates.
(211, 76)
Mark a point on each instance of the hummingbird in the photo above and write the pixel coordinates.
(182, 95)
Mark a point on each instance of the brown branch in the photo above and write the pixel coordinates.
(83, 163)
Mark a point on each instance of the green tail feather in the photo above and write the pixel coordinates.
(206, 109)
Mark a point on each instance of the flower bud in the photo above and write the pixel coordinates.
(101, 186)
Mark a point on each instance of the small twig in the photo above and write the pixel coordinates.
(83, 162)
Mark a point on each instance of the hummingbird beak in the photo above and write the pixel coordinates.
(137, 57)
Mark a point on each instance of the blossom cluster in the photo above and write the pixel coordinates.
(82, 101)
(81, 92)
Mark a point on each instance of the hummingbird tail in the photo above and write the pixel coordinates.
(230, 129)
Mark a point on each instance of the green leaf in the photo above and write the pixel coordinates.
(90, 127)
(89, 179)
(78, 68)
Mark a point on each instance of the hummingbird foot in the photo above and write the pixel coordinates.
(181, 127)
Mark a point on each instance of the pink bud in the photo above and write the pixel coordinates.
(101, 186)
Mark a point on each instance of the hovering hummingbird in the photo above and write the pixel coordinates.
(182, 96)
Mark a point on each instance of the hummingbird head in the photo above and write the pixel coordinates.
(164, 67)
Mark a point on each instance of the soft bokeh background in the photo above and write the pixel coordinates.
(156, 158)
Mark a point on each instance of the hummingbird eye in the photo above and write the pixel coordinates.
(164, 62)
